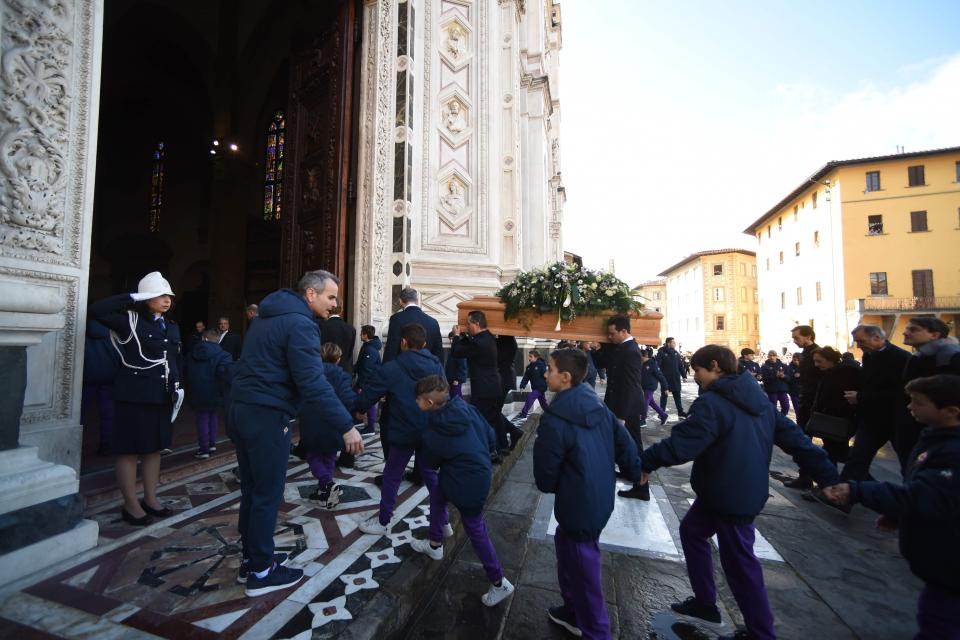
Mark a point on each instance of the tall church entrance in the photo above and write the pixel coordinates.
(224, 155)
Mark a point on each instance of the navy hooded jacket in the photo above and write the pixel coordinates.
(669, 360)
(534, 375)
(771, 383)
(455, 369)
(578, 441)
(397, 380)
(207, 369)
(281, 367)
(926, 505)
(729, 435)
(651, 376)
(458, 441)
(591, 377)
(368, 361)
(340, 380)
(100, 360)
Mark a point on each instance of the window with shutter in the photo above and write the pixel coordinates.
(918, 221)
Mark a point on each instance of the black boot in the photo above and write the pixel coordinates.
(638, 492)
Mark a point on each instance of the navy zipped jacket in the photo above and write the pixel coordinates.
(534, 375)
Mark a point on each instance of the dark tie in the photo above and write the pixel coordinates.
(163, 325)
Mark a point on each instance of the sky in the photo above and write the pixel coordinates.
(683, 122)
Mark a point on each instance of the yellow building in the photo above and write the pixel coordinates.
(653, 294)
(712, 299)
(870, 240)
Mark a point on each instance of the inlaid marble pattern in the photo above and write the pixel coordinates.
(178, 578)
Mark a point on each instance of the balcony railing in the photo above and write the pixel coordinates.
(884, 304)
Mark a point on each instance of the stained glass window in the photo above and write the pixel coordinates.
(156, 188)
(273, 175)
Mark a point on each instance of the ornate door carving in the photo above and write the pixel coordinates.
(318, 137)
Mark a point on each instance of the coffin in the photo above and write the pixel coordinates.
(645, 328)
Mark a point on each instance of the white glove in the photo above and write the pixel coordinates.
(137, 297)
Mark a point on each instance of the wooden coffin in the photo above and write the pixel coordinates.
(645, 328)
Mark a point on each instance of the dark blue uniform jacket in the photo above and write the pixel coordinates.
(100, 360)
(149, 386)
(670, 363)
(281, 368)
(458, 442)
(927, 506)
(534, 375)
(207, 370)
(340, 380)
(651, 376)
(456, 369)
(729, 435)
(368, 360)
(748, 365)
(578, 441)
(771, 383)
(793, 383)
(397, 381)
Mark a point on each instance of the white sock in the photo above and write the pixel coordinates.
(262, 574)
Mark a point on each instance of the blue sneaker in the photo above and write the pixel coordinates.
(244, 570)
(280, 577)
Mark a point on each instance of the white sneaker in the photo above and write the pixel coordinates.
(495, 595)
(447, 531)
(372, 525)
(423, 546)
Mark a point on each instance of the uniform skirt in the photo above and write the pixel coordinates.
(142, 428)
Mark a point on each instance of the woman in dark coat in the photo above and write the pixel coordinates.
(145, 390)
(830, 398)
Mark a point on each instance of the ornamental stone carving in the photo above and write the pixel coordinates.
(37, 50)
(454, 116)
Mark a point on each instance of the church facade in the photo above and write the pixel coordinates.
(234, 145)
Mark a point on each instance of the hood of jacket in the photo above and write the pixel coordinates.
(204, 350)
(452, 419)
(743, 391)
(579, 405)
(418, 363)
(373, 343)
(283, 302)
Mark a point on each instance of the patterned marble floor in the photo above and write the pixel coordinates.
(176, 578)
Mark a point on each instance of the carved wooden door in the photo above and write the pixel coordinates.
(318, 139)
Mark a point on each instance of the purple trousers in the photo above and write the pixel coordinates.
(578, 572)
(938, 615)
(476, 530)
(648, 401)
(372, 417)
(102, 395)
(397, 461)
(321, 465)
(206, 428)
(795, 401)
(782, 398)
(741, 567)
(533, 397)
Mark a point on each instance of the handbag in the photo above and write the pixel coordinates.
(827, 427)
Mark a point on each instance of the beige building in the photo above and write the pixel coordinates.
(653, 294)
(869, 240)
(711, 298)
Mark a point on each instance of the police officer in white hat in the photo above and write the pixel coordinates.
(147, 389)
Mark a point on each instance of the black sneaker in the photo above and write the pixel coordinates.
(799, 483)
(244, 570)
(564, 617)
(328, 496)
(693, 608)
(637, 492)
(378, 480)
(280, 577)
(414, 477)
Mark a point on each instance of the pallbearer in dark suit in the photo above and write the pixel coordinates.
(145, 388)
(334, 329)
(411, 314)
(230, 341)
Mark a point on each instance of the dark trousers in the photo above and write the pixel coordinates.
(579, 575)
(262, 437)
(741, 567)
(938, 615)
(632, 424)
(490, 408)
(675, 390)
(782, 398)
(906, 435)
(869, 440)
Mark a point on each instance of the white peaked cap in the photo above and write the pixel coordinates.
(154, 283)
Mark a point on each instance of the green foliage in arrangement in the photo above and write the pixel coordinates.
(567, 290)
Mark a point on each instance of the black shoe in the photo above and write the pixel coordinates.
(137, 522)
(638, 491)
(244, 571)
(328, 496)
(414, 477)
(515, 436)
(280, 577)
(378, 480)
(799, 483)
(159, 513)
(663, 419)
(693, 608)
(346, 460)
(496, 458)
(564, 617)
(681, 414)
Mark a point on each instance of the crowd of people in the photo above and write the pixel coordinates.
(296, 365)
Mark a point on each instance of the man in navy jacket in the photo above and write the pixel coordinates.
(729, 435)
(671, 364)
(280, 374)
(410, 314)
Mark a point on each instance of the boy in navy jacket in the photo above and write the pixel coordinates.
(578, 442)
(793, 381)
(650, 377)
(207, 370)
(538, 384)
(457, 443)
(746, 363)
(729, 434)
(368, 362)
(773, 373)
(396, 380)
(322, 458)
(926, 507)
